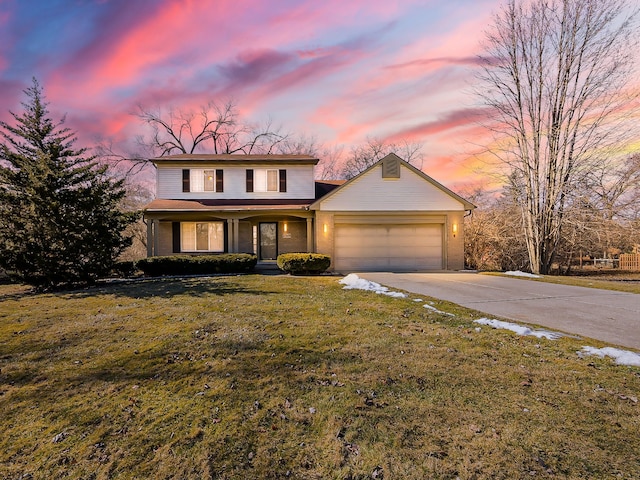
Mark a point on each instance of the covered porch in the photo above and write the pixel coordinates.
(265, 232)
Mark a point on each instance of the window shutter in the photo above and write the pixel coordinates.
(283, 180)
(186, 187)
(175, 226)
(249, 180)
(219, 181)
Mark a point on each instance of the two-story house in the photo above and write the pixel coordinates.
(390, 217)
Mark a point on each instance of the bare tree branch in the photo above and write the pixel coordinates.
(362, 157)
(213, 128)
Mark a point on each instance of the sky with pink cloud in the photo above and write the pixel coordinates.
(340, 71)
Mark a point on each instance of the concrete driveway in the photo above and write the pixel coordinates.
(613, 317)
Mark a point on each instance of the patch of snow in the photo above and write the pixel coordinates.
(622, 357)
(354, 282)
(431, 307)
(518, 273)
(519, 329)
(417, 300)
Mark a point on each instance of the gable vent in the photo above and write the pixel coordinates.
(391, 168)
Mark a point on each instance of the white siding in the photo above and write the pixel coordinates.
(300, 183)
(168, 182)
(410, 192)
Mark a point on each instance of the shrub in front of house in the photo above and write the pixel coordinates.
(303, 263)
(124, 269)
(197, 264)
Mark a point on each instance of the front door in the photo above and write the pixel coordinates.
(268, 241)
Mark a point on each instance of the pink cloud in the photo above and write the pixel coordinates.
(312, 17)
(375, 112)
(446, 122)
(436, 62)
(180, 42)
(254, 66)
(307, 73)
(423, 79)
(451, 170)
(254, 77)
(191, 34)
(127, 53)
(428, 54)
(6, 43)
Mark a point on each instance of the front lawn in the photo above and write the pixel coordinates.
(243, 377)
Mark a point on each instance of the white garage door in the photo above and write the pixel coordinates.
(388, 247)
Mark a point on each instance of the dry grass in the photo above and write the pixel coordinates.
(281, 377)
(616, 280)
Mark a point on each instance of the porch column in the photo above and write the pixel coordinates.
(156, 237)
(232, 235)
(236, 237)
(150, 238)
(310, 235)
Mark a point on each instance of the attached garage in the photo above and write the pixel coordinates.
(392, 247)
(391, 217)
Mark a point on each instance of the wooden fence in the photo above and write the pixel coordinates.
(630, 261)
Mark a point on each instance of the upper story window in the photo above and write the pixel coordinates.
(202, 180)
(266, 180)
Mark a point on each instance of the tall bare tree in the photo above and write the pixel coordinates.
(214, 128)
(556, 74)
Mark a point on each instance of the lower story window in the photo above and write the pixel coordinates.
(202, 236)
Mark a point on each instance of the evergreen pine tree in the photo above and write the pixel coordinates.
(59, 218)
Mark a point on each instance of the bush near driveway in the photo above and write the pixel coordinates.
(303, 263)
